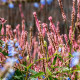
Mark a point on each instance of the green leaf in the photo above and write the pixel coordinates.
(54, 61)
(54, 67)
(45, 44)
(0, 50)
(40, 59)
(50, 78)
(25, 63)
(60, 57)
(55, 79)
(29, 66)
(65, 69)
(1, 79)
(0, 27)
(4, 53)
(48, 71)
(18, 72)
(38, 74)
(32, 71)
(1, 41)
(17, 77)
(23, 66)
(70, 55)
(33, 78)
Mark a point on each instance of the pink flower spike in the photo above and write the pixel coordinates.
(37, 21)
(2, 30)
(17, 27)
(50, 18)
(66, 39)
(18, 31)
(15, 34)
(34, 13)
(44, 24)
(44, 28)
(23, 25)
(2, 20)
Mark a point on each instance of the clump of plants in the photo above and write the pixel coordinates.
(46, 56)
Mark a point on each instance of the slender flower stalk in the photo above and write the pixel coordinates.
(52, 25)
(21, 12)
(18, 31)
(37, 21)
(78, 10)
(73, 14)
(62, 11)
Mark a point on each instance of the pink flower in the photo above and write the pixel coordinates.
(66, 39)
(15, 33)
(52, 25)
(50, 18)
(37, 22)
(2, 30)
(70, 33)
(34, 13)
(44, 29)
(2, 20)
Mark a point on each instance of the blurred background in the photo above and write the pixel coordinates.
(16, 10)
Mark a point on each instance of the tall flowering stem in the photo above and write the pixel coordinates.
(18, 31)
(78, 10)
(2, 21)
(21, 12)
(73, 14)
(42, 49)
(62, 11)
(31, 38)
(49, 36)
(52, 25)
(37, 21)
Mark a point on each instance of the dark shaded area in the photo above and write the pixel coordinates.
(13, 16)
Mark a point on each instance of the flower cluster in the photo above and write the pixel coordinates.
(13, 48)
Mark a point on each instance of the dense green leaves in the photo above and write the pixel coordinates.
(4, 53)
(18, 75)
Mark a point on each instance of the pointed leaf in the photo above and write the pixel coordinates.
(29, 66)
(38, 74)
(32, 71)
(48, 71)
(54, 61)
